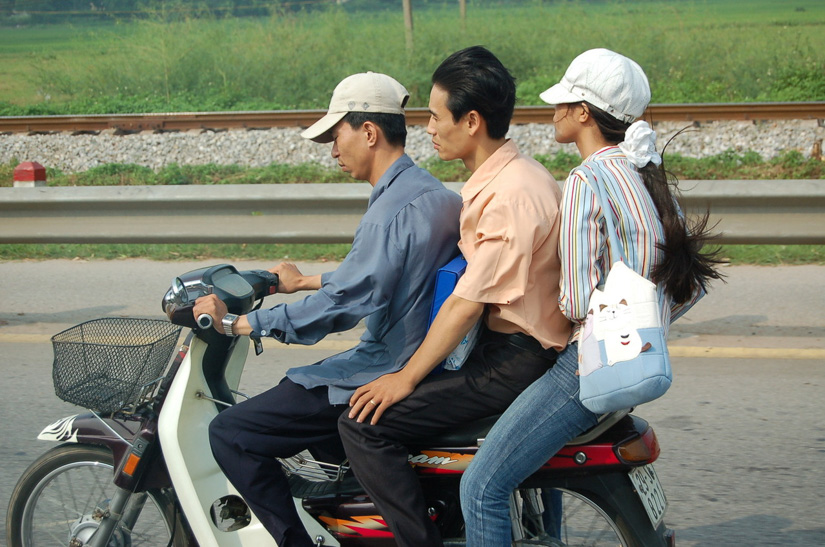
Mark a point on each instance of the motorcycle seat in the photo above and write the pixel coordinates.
(470, 434)
(473, 433)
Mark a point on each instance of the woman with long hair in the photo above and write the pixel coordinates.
(598, 104)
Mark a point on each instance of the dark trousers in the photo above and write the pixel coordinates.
(494, 375)
(278, 423)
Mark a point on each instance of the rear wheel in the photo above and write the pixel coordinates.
(55, 499)
(559, 517)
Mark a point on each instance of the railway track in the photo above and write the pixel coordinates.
(128, 123)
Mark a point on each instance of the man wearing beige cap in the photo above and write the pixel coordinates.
(410, 228)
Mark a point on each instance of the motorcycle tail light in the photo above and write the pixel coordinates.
(639, 450)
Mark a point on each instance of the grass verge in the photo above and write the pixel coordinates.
(762, 255)
(726, 166)
(258, 251)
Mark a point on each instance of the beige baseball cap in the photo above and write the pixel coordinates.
(605, 79)
(364, 92)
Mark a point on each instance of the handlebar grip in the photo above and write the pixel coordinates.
(205, 321)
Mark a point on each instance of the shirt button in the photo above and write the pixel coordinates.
(263, 333)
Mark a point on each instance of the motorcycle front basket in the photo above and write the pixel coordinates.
(105, 364)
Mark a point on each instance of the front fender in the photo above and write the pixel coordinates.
(61, 431)
(92, 429)
(114, 434)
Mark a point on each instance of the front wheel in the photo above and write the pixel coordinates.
(559, 517)
(55, 499)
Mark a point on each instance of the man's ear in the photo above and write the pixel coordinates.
(474, 122)
(371, 131)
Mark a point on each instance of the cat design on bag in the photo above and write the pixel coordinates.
(612, 324)
(621, 341)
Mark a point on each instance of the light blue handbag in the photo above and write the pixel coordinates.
(623, 357)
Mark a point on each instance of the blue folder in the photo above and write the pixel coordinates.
(446, 279)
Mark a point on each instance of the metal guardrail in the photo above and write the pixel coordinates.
(751, 212)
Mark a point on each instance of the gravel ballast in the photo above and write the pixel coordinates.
(77, 153)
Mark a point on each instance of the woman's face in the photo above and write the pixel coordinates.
(565, 122)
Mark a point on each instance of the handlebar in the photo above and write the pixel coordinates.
(238, 290)
(205, 321)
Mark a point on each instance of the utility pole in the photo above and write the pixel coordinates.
(408, 23)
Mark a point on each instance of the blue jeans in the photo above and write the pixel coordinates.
(536, 425)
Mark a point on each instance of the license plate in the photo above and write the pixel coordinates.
(650, 492)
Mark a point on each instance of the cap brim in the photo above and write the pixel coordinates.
(319, 131)
(559, 95)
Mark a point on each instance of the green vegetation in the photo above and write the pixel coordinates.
(214, 55)
(174, 252)
(730, 165)
(118, 174)
(774, 255)
(693, 51)
(765, 255)
(748, 166)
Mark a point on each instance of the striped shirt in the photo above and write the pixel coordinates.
(583, 248)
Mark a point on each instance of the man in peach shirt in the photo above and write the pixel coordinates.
(509, 230)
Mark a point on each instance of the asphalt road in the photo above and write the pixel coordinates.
(743, 443)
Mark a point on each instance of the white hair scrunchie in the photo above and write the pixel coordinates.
(640, 144)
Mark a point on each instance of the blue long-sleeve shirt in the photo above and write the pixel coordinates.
(409, 230)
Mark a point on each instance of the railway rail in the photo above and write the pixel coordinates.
(183, 121)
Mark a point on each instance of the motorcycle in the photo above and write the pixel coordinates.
(137, 469)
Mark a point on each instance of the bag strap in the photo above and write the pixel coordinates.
(616, 247)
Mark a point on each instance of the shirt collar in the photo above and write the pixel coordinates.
(488, 170)
(607, 151)
(401, 164)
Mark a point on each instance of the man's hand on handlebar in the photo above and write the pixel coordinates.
(292, 280)
(214, 307)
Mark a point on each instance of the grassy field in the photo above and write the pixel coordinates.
(693, 51)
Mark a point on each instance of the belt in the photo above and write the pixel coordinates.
(527, 343)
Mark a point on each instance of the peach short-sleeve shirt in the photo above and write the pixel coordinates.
(509, 229)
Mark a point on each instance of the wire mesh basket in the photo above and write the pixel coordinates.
(105, 364)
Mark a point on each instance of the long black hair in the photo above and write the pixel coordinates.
(685, 266)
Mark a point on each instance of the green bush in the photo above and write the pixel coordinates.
(447, 171)
(747, 166)
(561, 164)
(113, 174)
(728, 165)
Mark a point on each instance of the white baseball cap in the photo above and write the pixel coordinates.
(364, 92)
(605, 79)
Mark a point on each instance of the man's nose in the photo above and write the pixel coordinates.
(335, 153)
